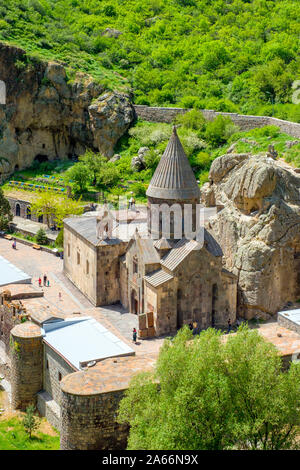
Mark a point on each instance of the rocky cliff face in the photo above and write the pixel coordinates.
(45, 117)
(258, 229)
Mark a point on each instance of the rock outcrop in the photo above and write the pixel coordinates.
(258, 229)
(47, 117)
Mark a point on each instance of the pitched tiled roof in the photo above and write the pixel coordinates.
(158, 277)
(180, 251)
(174, 177)
(147, 250)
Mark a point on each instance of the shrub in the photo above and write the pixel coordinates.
(59, 242)
(216, 130)
(41, 237)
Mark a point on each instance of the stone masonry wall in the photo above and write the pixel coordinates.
(26, 369)
(97, 416)
(245, 122)
(53, 366)
(287, 323)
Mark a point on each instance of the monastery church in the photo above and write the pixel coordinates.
(168, 280)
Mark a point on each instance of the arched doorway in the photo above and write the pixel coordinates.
(18, 210)
(134, 302)
(40, 219)
(28, 213)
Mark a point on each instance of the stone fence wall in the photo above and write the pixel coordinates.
(243, 121)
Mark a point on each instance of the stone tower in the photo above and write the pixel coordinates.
(26, 346)
(173, 185)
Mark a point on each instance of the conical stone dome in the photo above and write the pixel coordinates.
(174, 177)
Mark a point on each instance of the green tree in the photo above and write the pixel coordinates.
(93, 161)
(5, 212)
(41, 237)
(80, 176)
(45, 204)
(206, 393)
(30, 421)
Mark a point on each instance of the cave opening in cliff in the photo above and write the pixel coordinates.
(41, 158)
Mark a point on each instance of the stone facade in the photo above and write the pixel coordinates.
(26, 364)
(55, 368)
(245, 122)
(93, 268)
(22, 208)
(10, 316)
(96, 415)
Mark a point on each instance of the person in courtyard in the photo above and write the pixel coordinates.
(40, 282)
(45, 279)
(59, 296)
(14, 244)
(48, 283)
(134, 334)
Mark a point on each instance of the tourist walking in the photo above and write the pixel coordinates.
(48, 283)
(134, 334)
(45, 279)
(40, 282)
(14, 244)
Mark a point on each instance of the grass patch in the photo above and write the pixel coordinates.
(14, 437)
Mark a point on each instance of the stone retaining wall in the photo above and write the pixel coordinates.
(287, 323)
(96, 415)
(49, 408)
(245, 122)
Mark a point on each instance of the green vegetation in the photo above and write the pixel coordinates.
(210, 394)
(228, 55)
(41, 237)
(54, 208)
(30, 421)
(94, 175)
(14, 437)
(5, 212)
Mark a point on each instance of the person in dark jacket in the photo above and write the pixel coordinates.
(134, 334)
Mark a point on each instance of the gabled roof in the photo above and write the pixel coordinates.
(158, 278)
(147, 250)
(184, 247)
(163, 244)
(174, 177)
(180, 251)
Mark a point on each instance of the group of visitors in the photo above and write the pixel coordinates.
(45, 281)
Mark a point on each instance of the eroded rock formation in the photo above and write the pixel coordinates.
(258, 229)
(48, 117)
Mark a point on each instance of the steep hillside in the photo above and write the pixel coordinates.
(46, 117)
(228, 55)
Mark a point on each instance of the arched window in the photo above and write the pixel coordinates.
(28, 213)
(18, 210)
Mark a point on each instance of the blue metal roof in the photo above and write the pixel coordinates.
(82, 340)
(10, 274)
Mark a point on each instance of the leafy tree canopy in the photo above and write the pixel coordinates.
(207, 393)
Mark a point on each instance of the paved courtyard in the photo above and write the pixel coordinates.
(113, 317)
